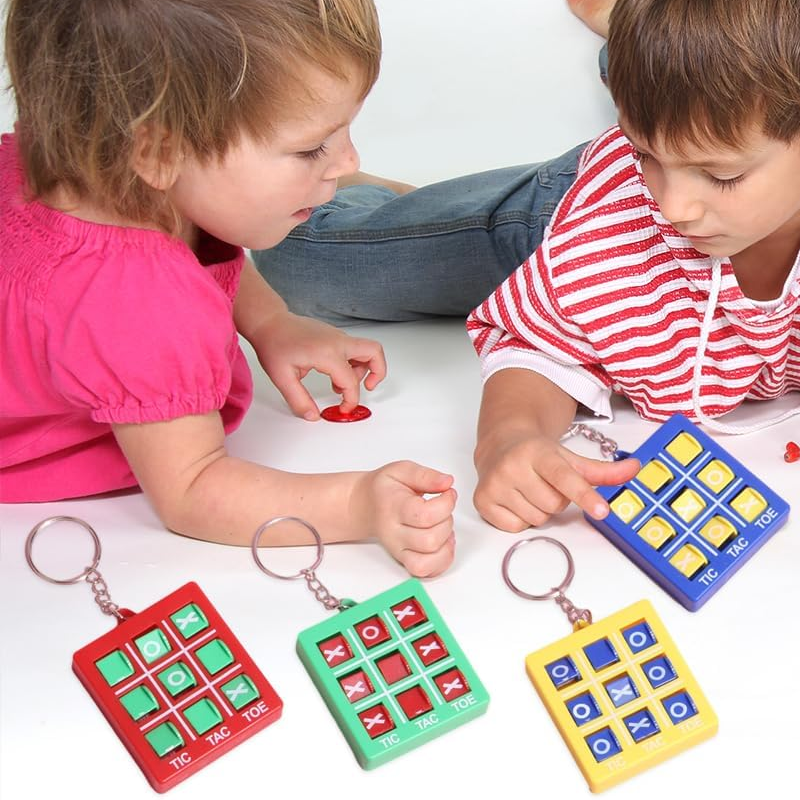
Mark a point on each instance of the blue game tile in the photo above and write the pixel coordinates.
(601, 653)
(603, 744)
(621, 690)
(679, 706)
(641, 725)
(659, 671)
(583, 708)
(639, 637)
(563, 672)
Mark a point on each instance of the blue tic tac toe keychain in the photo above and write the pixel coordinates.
(692, 516)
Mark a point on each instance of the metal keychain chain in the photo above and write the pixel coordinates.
(101, 595)
(90, 574)
(323, 595)
(578, 617)
(320, 591)
(608, 446)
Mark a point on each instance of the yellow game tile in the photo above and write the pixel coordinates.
(654, 475)
(627, 505)
(716, 475)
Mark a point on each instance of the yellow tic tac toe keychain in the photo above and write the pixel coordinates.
(618, 690)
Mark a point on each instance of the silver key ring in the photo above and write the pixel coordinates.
(577, 616)
(46, 523)
(554, 591)
(322, 594)
(275, 521)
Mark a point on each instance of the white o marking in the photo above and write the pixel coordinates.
(152, 649)
(601, 746)
(176, 678)
(637, 639)
(679, 709)
(581, 711)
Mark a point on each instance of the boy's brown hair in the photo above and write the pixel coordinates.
(705, 71)
(87, 74)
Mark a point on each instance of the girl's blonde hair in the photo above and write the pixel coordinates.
(87, 74)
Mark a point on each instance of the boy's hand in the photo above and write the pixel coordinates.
(416, 531)
(290, 346)
(526, 481)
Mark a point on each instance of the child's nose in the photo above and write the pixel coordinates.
(347, 161)
(679, 204)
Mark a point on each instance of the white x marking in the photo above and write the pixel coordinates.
(402, 613)
(359, 687)
(371, 722)
(623, 691)
(331, 654)
(686, 561)
(191, 617)
(634, 726)
(451, 687)
(235, 691)
(746, 504)
(429, 648)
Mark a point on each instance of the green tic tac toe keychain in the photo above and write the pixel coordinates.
(388, 668)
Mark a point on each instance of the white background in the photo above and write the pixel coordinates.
(466, 85)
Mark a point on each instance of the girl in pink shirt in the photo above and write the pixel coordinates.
(154, 141)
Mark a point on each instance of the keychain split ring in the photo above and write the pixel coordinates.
(303, 572)
(46, 523)
(555, 591)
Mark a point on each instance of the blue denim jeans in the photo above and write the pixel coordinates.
(442, 249)
(370, 254)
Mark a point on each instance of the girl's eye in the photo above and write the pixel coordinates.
(314, 154)
(640, 156)
(726, 183)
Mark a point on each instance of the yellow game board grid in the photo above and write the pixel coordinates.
(635, 757)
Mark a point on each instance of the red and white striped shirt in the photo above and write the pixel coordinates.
(614, 298)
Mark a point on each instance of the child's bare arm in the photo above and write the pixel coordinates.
(524, 474)
(289, 346)
(198, 490)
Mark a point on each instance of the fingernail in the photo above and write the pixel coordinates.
(311, 416)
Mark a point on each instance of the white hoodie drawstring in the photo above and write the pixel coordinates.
(697, 376)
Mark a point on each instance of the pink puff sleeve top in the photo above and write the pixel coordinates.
(102, 324)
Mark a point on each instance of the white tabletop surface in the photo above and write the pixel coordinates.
(742, 646)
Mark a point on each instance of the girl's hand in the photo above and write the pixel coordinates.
(289, 347)
(415, 530)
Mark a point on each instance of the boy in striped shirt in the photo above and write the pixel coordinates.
(670, 271)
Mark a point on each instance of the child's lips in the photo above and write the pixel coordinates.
(698, 236)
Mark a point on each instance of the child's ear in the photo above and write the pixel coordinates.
(155, 158)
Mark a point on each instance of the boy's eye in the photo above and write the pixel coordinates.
(726, 183)
(317, 152)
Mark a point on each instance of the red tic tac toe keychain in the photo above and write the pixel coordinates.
(618, 690)
(388, 668)
(173, 681)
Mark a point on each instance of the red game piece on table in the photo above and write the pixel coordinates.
(335, 414)
(792, 452)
